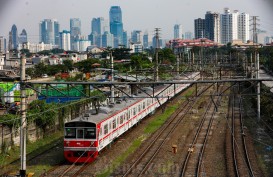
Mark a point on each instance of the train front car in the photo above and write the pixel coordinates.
(80, 141)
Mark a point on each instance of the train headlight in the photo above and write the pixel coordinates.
(67, 143)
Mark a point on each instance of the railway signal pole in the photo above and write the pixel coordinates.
(23, 129)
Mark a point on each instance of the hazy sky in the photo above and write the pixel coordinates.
(137, 14)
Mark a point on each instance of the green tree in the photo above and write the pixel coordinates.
(86, 65)
(68, 65)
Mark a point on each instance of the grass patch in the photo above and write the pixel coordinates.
(32, 148)
(160, 120)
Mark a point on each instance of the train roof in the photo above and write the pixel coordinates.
(106, 111)
(112, 109)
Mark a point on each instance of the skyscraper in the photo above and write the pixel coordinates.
(98, 27)
(188, 35)
(137, 37)
(75, 30)
(243, 27)
(23, 37)
(212, 26)
(65, 40)
(147, 40)
(229, 26)
(107, 39)
(177, 29)
(14, 37)
(116, 25)
(199, 28)
(125, 39)
(49, 31)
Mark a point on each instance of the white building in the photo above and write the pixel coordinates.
(65, 40)
(81, 45)
(229, 26)
(136, 48)
(2, 44)
(34, 48)
(2, 61)
(243, 27)
(178, 32)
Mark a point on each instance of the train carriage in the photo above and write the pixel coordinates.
(88, 134)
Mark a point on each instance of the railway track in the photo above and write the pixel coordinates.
(143, 163)
(191, 165)
(240, 155)
(71, 170)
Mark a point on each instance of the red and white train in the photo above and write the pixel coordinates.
(85, 136)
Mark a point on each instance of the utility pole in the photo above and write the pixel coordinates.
(156, 53)
(258, 89)
(23, 128)
(112, 100)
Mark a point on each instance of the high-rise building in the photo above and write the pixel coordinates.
(64, 40)
(147, 40)
(159, 44)
(137, 37)
(23, 37)
(125, 39)
(243, 27)
(98, 25)
(199, 28)
(2, 44)
(178, 33)
(188, 35)
(212, 26)
(14, 37)
(75, 30)
(107, 39)
(116, 25)
(229, 26)
(49, 31)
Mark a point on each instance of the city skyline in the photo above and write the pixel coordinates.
(138, 15)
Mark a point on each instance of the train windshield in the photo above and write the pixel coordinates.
(70, 133)
(80, 130)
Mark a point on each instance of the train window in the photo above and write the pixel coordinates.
(79, 133)
(121, 119)
(105, 129)
(100, 131)
(139, 108)
(143, 105)
(114, 124)
(70, 133)
(90, 133)
(128, 115)
(110, 127)
(134, 111)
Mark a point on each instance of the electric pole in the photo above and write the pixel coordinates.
(156, 53)
(23, 128)
(254, 29)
